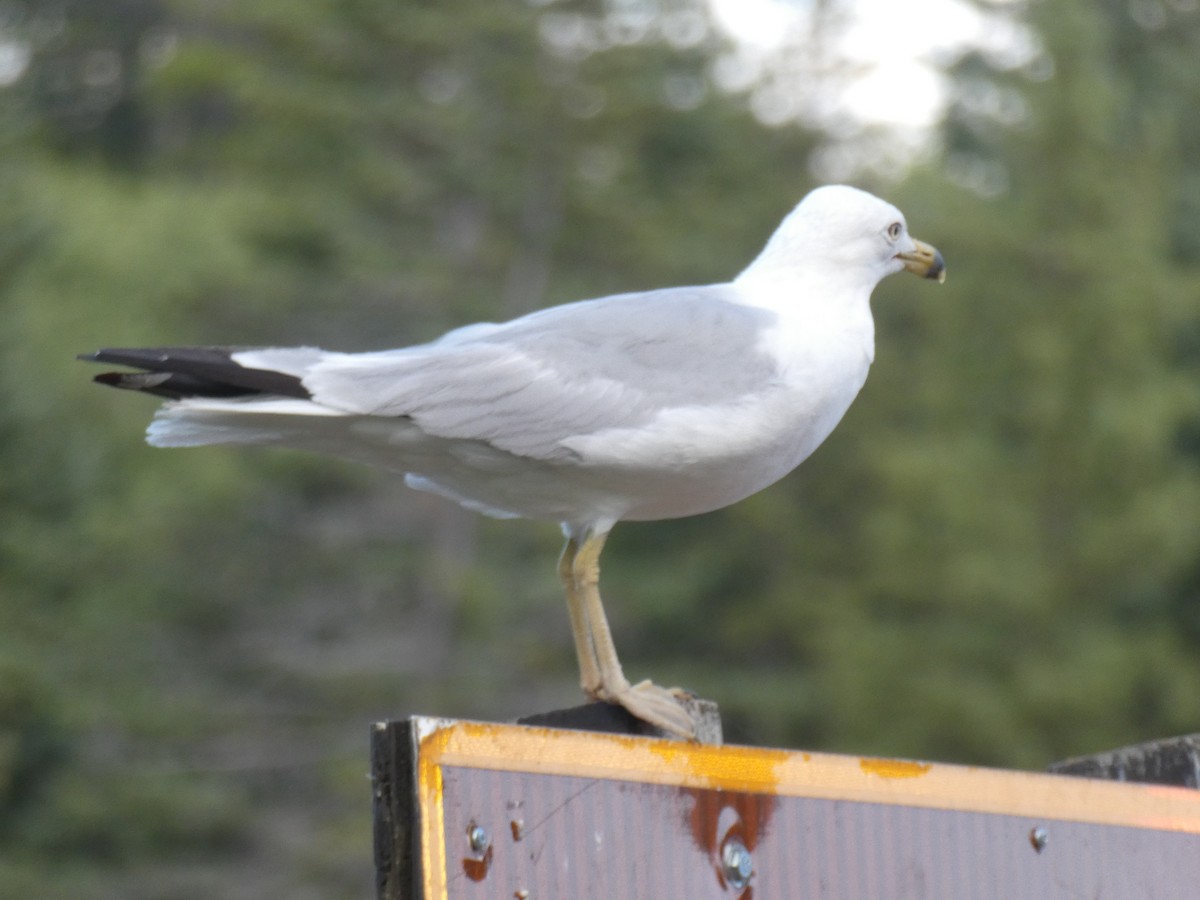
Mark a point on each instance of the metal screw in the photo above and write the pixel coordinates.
(738, 863)
(477, 837)
(1039, 838)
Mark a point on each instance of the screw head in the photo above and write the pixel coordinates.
(1039, 838)
(477, 837)
(737, 862)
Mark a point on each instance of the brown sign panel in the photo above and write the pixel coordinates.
(504, 811)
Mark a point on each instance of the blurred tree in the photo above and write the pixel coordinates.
(366, 175)
(85, 84)
(992, 560)
(992, 544)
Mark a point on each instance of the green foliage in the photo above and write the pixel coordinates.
(993, 559)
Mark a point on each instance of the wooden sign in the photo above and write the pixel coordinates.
(472, 810)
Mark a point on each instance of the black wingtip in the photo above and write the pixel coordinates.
(149, 357)
(178, 372)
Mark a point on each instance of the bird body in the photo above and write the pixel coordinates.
(639, 406)
(467, 416)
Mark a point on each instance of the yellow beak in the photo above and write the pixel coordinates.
(925, 261)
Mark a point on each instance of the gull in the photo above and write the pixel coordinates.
(638, 406)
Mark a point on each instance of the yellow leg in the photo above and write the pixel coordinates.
(587, 583)
(600, 669)
(589, 671)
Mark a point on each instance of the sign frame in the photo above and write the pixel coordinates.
(420, 763)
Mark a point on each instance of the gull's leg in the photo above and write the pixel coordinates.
(589, 669)
(647, 701)
(586, 575)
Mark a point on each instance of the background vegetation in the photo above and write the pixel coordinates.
(995, 559)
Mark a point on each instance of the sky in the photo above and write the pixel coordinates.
(898, 47)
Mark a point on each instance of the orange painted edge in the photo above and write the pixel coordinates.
(432, 810)
(549, 751)
(433, 826)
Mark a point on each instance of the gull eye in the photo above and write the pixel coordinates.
(894, 230)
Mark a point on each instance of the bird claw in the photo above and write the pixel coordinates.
(658, 706)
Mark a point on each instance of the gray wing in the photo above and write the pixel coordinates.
(527, 385)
